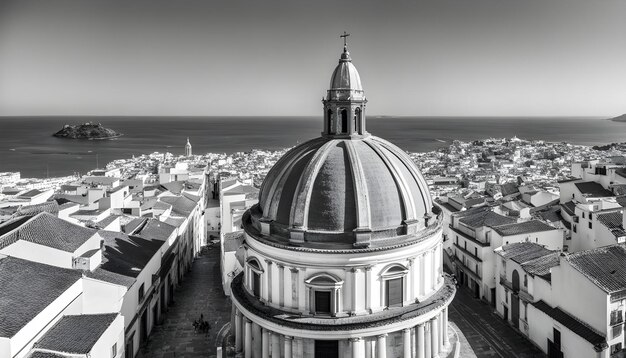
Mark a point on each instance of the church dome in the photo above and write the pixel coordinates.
(345, 81)
(332, 190)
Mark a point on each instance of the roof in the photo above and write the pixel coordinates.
(593, 189)
(175, 187)
(76, 334)
(181, 205)
(39, 354)
(107, 221)
(551, 214)
(155, 229)
(525, 227)
(31, 193)
(569, 207)
(613, 222)
(48, 230)
(534, 259)
(127, 255)
(321, 184)
(573, 324)
(445, 205)
(49, 207)
(27, 289)
(233, 240)
(603, 266)
(509, 189)
(485, 218)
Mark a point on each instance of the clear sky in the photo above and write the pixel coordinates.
(275, 57)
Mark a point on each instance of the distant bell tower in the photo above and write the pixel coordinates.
(344, 105)
(188, 148)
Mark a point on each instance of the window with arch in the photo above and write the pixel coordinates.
(329, 119)
(324, 292)
(344, 120)
(393, 279)
(357, 120)
(254, 270)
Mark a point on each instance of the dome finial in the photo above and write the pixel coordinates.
(345, 56)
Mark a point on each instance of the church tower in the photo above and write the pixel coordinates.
(344, 105)
(188, 148)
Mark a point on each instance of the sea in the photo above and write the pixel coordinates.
(27, 144)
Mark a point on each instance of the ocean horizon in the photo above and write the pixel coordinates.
(27, 144)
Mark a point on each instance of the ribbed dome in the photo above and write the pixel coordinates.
(330, 189)
(345, 77)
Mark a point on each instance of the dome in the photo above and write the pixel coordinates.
(345, 81)
(332, 190)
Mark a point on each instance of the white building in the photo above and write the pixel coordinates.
(343, 257)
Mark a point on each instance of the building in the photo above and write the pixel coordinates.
(188, 148)
(342, 254)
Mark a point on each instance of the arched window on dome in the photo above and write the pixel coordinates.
(393, 280)
(357, 121)
(344, 121)
(324, 291)
(254, 270)
(331, 123)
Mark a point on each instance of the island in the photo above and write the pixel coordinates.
(621, 118)
(87, 130)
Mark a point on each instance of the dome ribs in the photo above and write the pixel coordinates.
(277, 176)
(417, 176)
(405, 192)
(363, 230)
(302, 198)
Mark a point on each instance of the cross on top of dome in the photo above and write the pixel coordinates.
(345, 56)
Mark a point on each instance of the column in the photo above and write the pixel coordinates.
(427, 340)
(381, 346)
(281, 285)
(355, 289)
(434, 335)
(248, 339)
(265, 344)
(444, 327)
(288, 347)
(411, 280)
(368, 349)
(269, 280)
(368, 289)
(275, 345)
(358, 347)
(257, 340)
(422, 285)
(238, 332)
(295, 287)
(406, 342)
(420, 341)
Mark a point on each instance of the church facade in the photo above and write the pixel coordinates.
(342, 254)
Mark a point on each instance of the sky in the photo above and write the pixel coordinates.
(275, 57)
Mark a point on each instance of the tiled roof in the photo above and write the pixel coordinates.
(486, 218)
(111, 277)
(28, 288)
(604, 266)
(76, 334)
(155, 229)
(573, 324)
(175, 187)
(551, 214)
(107, 221)
(233, 240)
(48, 230)
(522, 252)
(47, 207)
(181, 205)
(525, 227)
(508, 189)
(127, 255)
(541, 265)
(39, 354)
(569, 207)
(593, 189)
(613, 221)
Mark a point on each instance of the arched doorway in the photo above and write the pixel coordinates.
(344, 121)
(515, 300)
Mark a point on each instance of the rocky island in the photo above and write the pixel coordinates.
(87, 130)
(621, 118)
